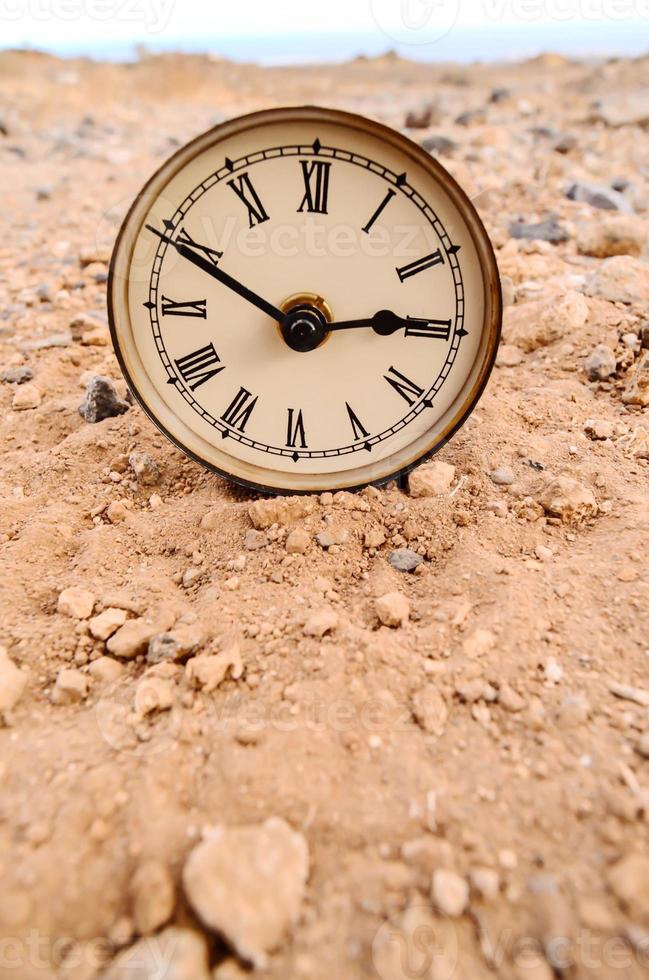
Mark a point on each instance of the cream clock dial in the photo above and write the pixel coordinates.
(303, 299)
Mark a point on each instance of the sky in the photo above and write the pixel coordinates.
(84, 26)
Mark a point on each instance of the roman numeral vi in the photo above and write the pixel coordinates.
(295, 430)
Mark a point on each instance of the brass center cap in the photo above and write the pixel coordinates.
(304, 327)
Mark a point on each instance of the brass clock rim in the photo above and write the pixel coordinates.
(492, 320)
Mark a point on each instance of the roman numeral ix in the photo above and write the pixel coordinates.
(195, 307)
(240, 409)
(427, 262)
(244, 190)
(316, 184)
(409, 390)
(199, 366)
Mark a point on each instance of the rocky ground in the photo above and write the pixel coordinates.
(238, 740)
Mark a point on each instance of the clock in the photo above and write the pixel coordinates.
(303, 300)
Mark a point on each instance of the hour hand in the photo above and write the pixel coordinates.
(209, 265)
(385, 322)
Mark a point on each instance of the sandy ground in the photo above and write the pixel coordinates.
(282, 786)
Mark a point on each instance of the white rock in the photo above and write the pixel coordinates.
(297, 542)
(71, 686)
(568, 499)
(25, 397)
(12, 682)
(76, 602)
(621, 279)
(247, 884)
(173, 954)
(393, 609)
(152, 896)
(431, 479)
(321, 622)
(106, 623)
(449, 892)
(207, 671)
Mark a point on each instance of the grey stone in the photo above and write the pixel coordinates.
(254, 540)
(565, 143)
(442, 145)
(502, 476)
(101, 401)
(500, 95)
(548, 231)
(600, 363)
(470, 117)
(145, 468)
(16, 375)
(405, 559)
(599, 196)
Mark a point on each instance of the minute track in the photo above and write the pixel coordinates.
(398, 182)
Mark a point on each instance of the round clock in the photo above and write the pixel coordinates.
(303, 300)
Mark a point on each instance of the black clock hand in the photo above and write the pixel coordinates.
(224, 277)
(385, 322)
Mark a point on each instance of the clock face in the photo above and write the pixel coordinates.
(303, 299)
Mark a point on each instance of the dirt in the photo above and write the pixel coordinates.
(462, 748)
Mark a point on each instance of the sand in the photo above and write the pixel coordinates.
(460, 750)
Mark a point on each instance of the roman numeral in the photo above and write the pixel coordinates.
(316, 183)
(295, 429)
(244, 190)
(359, 430)
(436, 329)
(211, 254)
(199, 366)
(240, 409)
(195, 307)
(408, 389)
(419, 265)
(384, 203)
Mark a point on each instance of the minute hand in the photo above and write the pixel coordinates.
(213, 270)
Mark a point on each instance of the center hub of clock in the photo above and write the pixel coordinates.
(304, 326)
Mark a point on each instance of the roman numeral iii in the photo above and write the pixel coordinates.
(199, 366)
(409, 390)
(240, 409)
(419, 265)
(295, 429)
(242, 187)
(435, 329)
(316, 184)
(195, 307)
